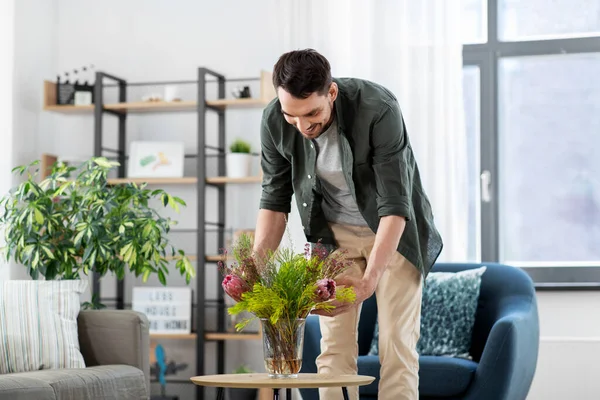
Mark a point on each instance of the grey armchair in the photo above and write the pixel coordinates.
(115, 345)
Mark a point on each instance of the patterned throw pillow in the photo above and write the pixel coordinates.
(448, 313)
(38, 325)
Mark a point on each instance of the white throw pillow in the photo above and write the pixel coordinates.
(38, 325)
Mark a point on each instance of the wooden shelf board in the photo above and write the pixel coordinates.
(68, 109)
(215, 258)
(222, 103)
(188, 180)
(224, 179)
(232, 336)
(152, 106)
(188, 336)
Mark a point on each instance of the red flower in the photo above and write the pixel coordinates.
(235, 286)
(325, 289)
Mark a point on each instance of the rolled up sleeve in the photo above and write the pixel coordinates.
(393, 171)
(277, 189)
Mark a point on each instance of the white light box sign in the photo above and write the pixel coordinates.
(169, 310)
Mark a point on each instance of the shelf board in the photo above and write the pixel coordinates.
(69, 109)
(223, 179)
(223, 103)
(183, 336)
(208, 336)
(187, 180)
(232, 336)
(215, 258)
(158, 106)
(152, 106)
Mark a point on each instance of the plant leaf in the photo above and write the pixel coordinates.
(161, 277)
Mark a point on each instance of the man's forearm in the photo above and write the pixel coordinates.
(270, 226)
(387, 238)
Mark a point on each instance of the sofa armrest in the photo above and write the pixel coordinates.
(115, 337)
(509, 358)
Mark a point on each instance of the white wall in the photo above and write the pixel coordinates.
(7, 19)
(569, 346)
(35, 58)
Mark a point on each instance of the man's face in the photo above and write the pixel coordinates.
(310, 116)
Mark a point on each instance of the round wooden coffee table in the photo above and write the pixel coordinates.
(259, 381)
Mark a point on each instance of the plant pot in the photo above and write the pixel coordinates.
(238, 165)
(241, 394)
(282, 347)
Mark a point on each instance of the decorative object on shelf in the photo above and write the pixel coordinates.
(171, 93)
(242, 92)
(160, 369)
(242, 393)
(281, 288)
(73, 223)
(156, 160)
(169, 310)
(239, 159)
(76, 87)
(152, 98)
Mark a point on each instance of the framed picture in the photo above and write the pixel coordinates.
(155, 160)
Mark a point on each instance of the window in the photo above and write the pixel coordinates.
(543, 19)
(532, 107)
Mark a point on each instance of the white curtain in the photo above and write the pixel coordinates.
(414, 48)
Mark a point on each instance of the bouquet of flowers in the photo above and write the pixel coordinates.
(281, 289)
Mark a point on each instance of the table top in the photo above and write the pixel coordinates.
(258, 381)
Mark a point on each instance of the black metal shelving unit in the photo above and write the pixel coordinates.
(203, 107)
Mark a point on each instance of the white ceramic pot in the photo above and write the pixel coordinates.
(238, 165)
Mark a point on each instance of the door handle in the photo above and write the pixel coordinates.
(486, 186)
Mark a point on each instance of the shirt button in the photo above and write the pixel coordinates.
(312, 146)
(304, 204)
(309, 177)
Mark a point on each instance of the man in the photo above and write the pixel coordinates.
(341, 147)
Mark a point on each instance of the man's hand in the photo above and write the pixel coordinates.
(364, 288)
(388, 235)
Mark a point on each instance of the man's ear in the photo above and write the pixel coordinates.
(333, 91)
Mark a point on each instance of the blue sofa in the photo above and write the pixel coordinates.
(504, 345)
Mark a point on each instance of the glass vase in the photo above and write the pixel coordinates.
(283, 343)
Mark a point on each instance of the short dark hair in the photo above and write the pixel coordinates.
(302, 73)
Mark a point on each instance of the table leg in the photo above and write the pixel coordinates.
(275, 394)
(220, 393)
(288, 394)
(345, 393)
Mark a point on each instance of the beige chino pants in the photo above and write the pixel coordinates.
(399, 317)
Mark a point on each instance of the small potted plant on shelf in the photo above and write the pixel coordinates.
(242, 393)
(239, 159)
(73, 222)
(281, 289)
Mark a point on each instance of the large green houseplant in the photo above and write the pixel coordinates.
(74, 222)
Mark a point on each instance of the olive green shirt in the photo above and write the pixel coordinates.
(377, 161)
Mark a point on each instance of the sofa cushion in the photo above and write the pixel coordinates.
(107, 382)
(445, 376)
(22, 387)
(438, 376)
(448, 311)
(38, 325)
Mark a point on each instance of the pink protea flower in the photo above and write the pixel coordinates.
(325, 289)
(235, 286)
